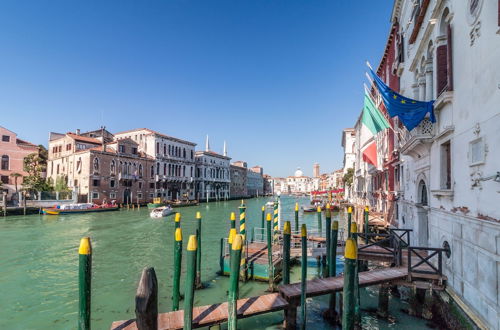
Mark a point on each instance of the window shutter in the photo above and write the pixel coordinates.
(442, 68)
(450, 60)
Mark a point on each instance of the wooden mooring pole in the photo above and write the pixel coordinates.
(146, 301)
(357, 309)
(198, 283)
(320, 224)
(287, 234)
(332, 270)
(263, 218)
(349, 215)
(177, 220)
(350, 255)
(177, 269)
(303, 280)
(328, 233)
(190, 276)
(296, 217)
(270, 265)
(236, 246)
(4, 204)
(84, 282)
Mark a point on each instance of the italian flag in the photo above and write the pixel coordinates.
(372, 122)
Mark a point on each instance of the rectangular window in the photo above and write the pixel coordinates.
(476, 152)
(68, 147)
(121, 148)
(112, 195)
(134, 151)
(5, 138)
(151, 185)
(139, 195)
(95, 183)
(5, 179)
(140, 185)
(112, 183)
(446, 165)
(95, 195)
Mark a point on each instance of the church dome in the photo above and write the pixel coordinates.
(298, 172)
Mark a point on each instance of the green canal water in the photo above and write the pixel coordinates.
(39, 267)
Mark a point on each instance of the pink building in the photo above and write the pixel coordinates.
(12, 154)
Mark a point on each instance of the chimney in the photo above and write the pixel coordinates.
(77, 131)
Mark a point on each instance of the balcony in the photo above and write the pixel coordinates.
(417, 142)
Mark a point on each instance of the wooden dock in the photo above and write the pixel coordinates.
(205, 316)
(322, 286)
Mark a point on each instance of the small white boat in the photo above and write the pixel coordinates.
(160, 212)
(270, 204)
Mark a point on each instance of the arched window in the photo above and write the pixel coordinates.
(152, 171)
(5, 162)
(422, 190)
(184, 152)
(140, 170)
(129, 168)
(183, 170)
(112, 166)
(444, 51)
(164, 149)
(158, 168)
(164, 168)
(135, 169)
(96, 164)
(169, 149)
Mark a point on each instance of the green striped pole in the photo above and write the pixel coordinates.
(84, 280)
(190, 275)
(270, 272)
(275, 221)
(303, 283)
(332, 266)
(320, 224)
(296, 217)
(243, 233)
(232, 220)
(263, 219)
(328, 221)
(198, 252)
(357, 309)
(367, 210)
(233, 282)
(287, 235)
(177, 269)
(349, 302)
(349, 214)
(177, 220)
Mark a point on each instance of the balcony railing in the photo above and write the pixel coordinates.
(414, 142)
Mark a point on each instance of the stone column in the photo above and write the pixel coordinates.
(429, 83)
(421, 88)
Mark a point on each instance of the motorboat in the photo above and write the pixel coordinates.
(78, 208)
(160, 212)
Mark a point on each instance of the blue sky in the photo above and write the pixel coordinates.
(278, 80)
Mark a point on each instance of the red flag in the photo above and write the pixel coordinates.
(370, 154)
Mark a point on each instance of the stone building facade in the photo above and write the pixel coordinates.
(238, 187)
(174, 168)
(442, 179)
(12, 153)
(212, 174)
(101, 172)
(255, 181)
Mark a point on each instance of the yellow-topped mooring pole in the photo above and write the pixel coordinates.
(84, 282)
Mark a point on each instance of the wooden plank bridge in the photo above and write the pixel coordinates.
(412, 267)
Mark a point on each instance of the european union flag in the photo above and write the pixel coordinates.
(410, 112)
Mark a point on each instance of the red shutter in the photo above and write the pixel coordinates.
(450, 60)
(442, 68)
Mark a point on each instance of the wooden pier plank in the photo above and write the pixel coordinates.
(318, 287)
(204, 316)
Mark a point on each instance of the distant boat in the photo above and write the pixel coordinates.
(308, 209)
(78, 208)
(161, 212)
(156, 203)
(270, 204)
